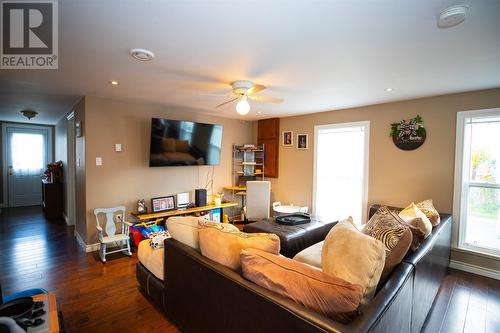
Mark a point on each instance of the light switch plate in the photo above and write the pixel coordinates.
(118, 147)
(98, 161)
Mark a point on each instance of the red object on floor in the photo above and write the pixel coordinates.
(136, 236)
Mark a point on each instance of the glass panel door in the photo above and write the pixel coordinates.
(27, 156)
(341, 171)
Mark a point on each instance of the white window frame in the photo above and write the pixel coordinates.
(459, 192)
(366, 125)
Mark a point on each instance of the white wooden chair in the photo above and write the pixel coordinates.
(108, 236)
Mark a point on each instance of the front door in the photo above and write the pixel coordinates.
(27, 150)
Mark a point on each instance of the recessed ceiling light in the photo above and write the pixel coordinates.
(114, 83)
(389, 89)
(142, 54)
(452, 16)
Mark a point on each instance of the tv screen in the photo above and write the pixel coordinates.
(175, 143)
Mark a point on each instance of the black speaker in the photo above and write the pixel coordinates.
(200, 197)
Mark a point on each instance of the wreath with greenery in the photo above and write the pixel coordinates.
(416, 125)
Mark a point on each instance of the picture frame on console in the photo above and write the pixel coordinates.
(162, 204)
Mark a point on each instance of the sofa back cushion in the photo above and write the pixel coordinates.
(185, 229)
(396, 236)
(224, 246)
(354, 257)
(329, 295)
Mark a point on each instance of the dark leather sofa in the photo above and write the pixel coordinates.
(199, 295)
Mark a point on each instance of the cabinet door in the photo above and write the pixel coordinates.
(271, 160)
(268, 128)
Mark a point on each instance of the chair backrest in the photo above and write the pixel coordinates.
(110, 227)
(258, 199)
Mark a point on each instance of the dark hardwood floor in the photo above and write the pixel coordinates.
(96, 297)
(93, 297)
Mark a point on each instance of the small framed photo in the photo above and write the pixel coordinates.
(302, 141)
(287, 138)
(162, 204)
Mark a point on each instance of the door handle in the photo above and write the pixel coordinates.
(11, 170)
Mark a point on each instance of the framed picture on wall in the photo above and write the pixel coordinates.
(162, 204)
(287, 138)
(302, 141)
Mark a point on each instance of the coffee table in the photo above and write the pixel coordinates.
(293, 238)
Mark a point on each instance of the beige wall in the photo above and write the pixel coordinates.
(126, 176)
(396, 177)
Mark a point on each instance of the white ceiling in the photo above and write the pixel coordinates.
(317, 55)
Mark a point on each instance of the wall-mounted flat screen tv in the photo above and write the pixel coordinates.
(175, 143)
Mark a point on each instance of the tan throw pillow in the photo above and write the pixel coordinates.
(202, 223)
(353, 256)
(224, 246)
(427, 207)
(185, 229)
(329, 295)
(415, 217)
(388, 228)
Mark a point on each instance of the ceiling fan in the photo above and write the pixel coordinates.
(243, 90)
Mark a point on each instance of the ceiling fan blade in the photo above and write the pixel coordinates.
(217, 95)
(227, 102)
(255, 89)
(266, 99)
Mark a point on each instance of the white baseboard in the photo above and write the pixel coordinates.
(475, 269)
(87, 248)
(93, 247)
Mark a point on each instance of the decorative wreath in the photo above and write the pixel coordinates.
(413, 127)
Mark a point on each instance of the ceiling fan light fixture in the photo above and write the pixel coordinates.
(242, 107)
(29, 113)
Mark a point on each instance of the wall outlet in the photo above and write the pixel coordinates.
(98, 161)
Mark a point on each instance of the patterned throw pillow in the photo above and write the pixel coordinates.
(413, 216)
(157, 239)
(387, 227)
(427, 207)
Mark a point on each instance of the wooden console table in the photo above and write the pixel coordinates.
(177, 212)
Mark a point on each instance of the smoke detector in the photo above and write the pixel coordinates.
(142, 54)
(452, 16)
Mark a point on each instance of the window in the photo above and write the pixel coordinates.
(341, 170)
(28, 152)
(477, 180)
